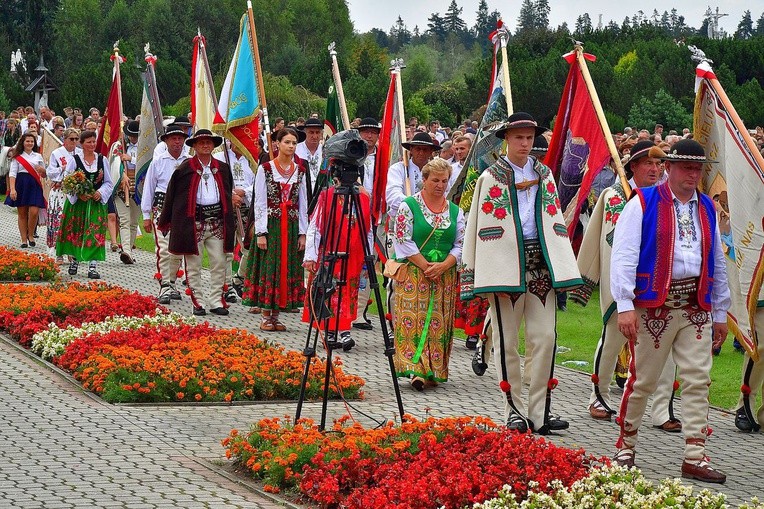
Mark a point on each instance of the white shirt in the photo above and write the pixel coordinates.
(243, 176)
(455, 172)
(33, 158)
(395, 192)
(687, 255)
(368, 171)
(157, 178)
(261, 200)
(58, 158)
(132, 151)
(207, 193)
(403, 237)
(161, 148)
(526, 199)
(312, 159)
(107, 187)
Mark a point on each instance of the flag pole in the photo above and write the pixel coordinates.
(579, 49)
(503, 37)
(338, 84)
(397, 64)
(118, 77)
(151, 61)
(260, 85)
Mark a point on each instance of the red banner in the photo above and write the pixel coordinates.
(111, 127)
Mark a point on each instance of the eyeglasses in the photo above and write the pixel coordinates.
(72, 139)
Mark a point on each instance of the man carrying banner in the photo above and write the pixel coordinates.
(515, 223)
(594, 264)
(154, 192)
(669, 281)
(199, 212)
(128, 210)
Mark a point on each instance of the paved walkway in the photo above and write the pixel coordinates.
(62, 447)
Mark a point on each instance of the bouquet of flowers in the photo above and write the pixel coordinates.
(76, 183)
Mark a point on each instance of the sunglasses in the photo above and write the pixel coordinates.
(72, 139)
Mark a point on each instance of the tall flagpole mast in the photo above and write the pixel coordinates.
(117, 76)
(503, 38)
(260, 85)
(396, 66)
(338, 84)
(579, 49)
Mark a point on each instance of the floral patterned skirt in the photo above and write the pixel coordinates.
(263, 284)
(83, 231)
(412, 299)
(470, 315)
(56, 200)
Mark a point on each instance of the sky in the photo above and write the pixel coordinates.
(368, 14)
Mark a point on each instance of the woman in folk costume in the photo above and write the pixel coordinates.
(428, 235)
(83, 220)
(336, 231)
(25, 186)
(57, 198)
(275, 274)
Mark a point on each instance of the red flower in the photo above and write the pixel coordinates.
(494, 192)
(500, 213)
(615, 217)
(615, 200)
(608, 216)
(488, 207)
(550, 187)
(551, 209)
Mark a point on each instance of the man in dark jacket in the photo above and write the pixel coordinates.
(199, 212)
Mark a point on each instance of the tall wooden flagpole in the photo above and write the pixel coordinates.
(397, 64)
(338, 84)
(260, 85)
(503, 38)
(579, 49)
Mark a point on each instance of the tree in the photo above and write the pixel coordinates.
(399, 35)
(760, 25)
(583, 24)
(745, 27)
(452, 19)
(481, 20)
(541, 11)
(436, 26)
(525, 20)
(662, 109)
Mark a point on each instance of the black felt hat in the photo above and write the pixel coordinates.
(519, 120)
(132, 128)
(174, 129)
(204, 134)
(369, 123)
(421, 140)
(688, 150)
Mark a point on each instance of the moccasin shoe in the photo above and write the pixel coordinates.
(624, 458)
(597, 411)
(702, 471)
(671, 426)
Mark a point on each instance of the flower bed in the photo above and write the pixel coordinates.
(613, 486)
(18, 265)
(452, 462)
(26, 310)
(151, 355)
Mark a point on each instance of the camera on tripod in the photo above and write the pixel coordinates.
(346, 152)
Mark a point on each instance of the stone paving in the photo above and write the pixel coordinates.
(63, 447)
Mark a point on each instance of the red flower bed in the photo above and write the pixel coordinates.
(451, 462)
(26, 310)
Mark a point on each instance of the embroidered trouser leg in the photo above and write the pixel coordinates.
(167, 263)
(217, 258)
(685, 334)
(364, 292)
(540, 335)
(756, 380)
(242, 270)
(129, 217)
(605, 360)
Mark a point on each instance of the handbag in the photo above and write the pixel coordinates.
(395, 270)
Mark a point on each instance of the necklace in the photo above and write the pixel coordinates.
(443, 209)
(288, 174)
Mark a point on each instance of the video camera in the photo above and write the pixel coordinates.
(346, 152)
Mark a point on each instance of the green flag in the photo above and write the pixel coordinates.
(332, 119)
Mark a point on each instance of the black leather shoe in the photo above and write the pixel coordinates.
(516, 423)
(741, 421)
(93, 273)
(219, 311)
(554, 424)
(478, 366)
(73, 266)
(230, 296)
(471, 343)
(363, 326)
(199, 311)
(237, 284)
(347, 342)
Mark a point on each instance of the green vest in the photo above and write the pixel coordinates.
(442, 240)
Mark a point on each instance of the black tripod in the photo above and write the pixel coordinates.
(328, 280)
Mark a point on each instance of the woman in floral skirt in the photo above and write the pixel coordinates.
(57, 198)
(275, 274)
(83, 221)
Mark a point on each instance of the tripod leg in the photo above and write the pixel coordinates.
(309, 352)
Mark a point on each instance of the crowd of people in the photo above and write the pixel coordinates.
(278, 228)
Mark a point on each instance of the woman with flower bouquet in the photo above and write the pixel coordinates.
(87, 183)
(57, 196)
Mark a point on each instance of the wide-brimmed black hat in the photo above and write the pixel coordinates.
(182, 121)
(642, 149)
(517, 121)
(301, 136)
(204, 134)
(421, 140)
(540, 145)
(688, 150)
(132, 128)
(174, 129)
(313, 122)
(369, 123)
